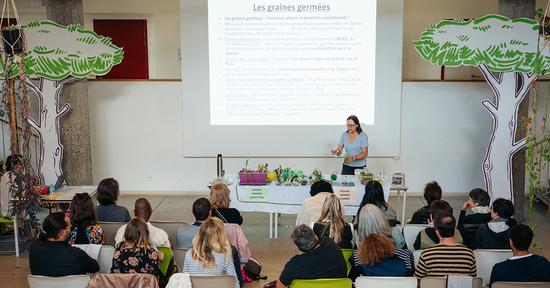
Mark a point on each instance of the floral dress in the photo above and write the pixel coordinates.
(90, 235)
(131, 259)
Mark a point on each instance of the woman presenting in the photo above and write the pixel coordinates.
(356, 143)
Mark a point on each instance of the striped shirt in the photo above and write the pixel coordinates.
(440, 260)
(223, 266)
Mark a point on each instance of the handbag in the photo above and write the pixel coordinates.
(252, 269)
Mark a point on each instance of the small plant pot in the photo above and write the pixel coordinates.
(252, 178)
(12, 41)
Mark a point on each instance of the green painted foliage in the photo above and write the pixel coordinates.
(56, 52)
(501, 43)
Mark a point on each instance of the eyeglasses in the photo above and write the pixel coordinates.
(350, 125)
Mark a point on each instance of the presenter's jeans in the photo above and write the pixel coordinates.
(350, 170)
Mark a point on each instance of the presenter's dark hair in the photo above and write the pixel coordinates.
(374, 194)
(480, 196)
(201, 208)
(13, 160)
(432, 192)
(505, 209)
(320, 186)
(445, 224)
(521, 236)
(107, 191)
(53, 224)
(356, 121)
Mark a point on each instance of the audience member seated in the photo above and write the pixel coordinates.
(108, 210)
(427, 237)
(432, 192)
(184, 235)
(13, 164)
(211, 252)
(50, 255)
(374, 194)
(219, 199)
(447, 257)
(320, 258)
(143, 211)
(474, 212)
(373, 222)
(311, 209)
(523, 266)
(332, 223)
(496, 233)
(83, 220)
(135, 254)
(376, 257)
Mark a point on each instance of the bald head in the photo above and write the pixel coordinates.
(142, 209)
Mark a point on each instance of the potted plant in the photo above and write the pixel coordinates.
(253, 177)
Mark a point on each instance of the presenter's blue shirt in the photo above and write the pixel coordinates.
(355, 148)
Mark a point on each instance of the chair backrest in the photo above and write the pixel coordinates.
(179, 257)
(209, 281)
(486, 259)
(116, 280)
(73, 281)
(105, 259)
(441, 282)
(169, 227)
(521, 285)
(386, 282)
(410, 231)
(347, 254)
(109, 230)
(322, 283)
(416, 255)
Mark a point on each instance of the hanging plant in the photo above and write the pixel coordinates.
(12, 41)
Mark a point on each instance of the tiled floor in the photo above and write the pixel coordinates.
(272, 253)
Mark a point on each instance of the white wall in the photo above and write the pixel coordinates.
(137, 137)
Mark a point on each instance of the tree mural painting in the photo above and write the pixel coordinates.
(59, 55)
(510, 55)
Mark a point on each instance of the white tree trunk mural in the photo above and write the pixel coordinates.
(47, 126)
(509, 88)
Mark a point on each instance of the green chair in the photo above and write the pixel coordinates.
(322, 283)
(347, 254)
(165, 263)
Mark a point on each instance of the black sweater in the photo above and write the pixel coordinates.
(421, 216)
(56, 259)
(228, 215)
(528, 269)
(469, 224)
(487, 239)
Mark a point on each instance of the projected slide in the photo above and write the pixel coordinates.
(293, 62)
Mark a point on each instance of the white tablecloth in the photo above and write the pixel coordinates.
(289, 199)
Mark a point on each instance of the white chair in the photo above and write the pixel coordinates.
(521, 285)
(410, 231)
(441, 282)
(208, 281)
(105, 259)
(416, 255)
(109, 230)
(486, 259)
(179, 257)
(73, 281)
(385, 282)
(170, 227)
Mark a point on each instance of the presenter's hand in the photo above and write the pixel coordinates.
(348, 159)
(335, 152)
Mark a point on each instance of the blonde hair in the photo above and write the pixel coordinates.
(331, 214)
(210, 239)
(219, 196)
(372, 221)
(136, 233)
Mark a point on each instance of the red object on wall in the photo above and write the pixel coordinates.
(131, 35)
